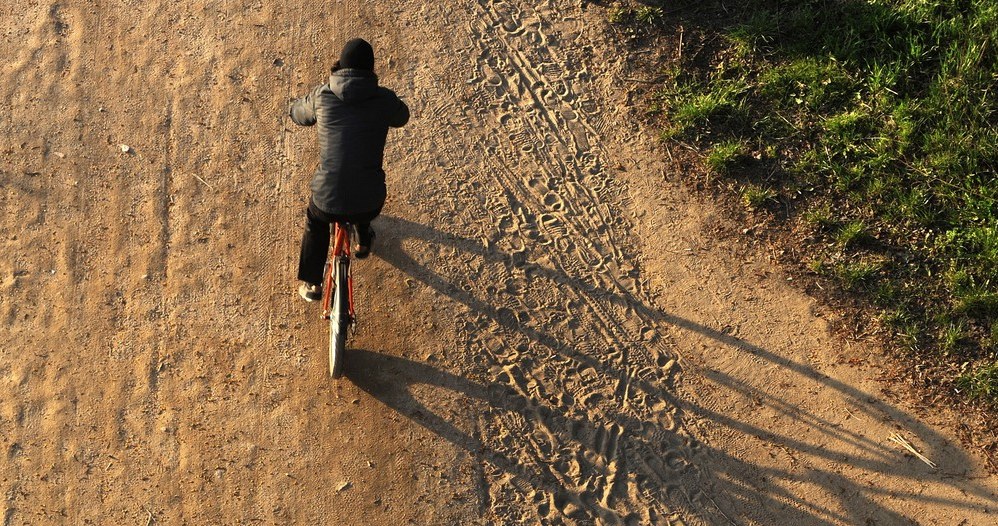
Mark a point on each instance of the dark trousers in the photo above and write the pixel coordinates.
(315, 242)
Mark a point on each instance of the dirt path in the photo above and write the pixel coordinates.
(552, 333)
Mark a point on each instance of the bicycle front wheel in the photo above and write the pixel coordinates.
(339, 320)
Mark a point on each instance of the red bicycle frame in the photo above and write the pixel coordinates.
(339, 249)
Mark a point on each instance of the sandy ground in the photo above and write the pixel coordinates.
(551, 331)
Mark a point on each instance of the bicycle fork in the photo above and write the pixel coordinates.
(334, 269)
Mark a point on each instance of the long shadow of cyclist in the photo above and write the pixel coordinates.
(725, 472)
(394, 381)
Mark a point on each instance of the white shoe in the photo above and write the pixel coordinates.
(310, 292)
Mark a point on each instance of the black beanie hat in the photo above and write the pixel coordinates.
(357, 54)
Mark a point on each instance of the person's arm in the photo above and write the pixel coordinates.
(302, 110)
(400, 115)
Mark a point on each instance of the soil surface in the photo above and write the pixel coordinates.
(550, 330)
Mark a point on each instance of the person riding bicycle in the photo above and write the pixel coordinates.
(353, 114)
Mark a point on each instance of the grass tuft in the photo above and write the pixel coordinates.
(620, 14)
(756, 197)
(853, 233)
(855, 275)
(822, 218)
(724, 157)
(649, 15)
(982, 382)
(952, 335)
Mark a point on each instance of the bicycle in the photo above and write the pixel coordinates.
(337, 295)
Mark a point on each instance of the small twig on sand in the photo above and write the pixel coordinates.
(203, 181)
(898, 439)
(681, 33)
(655, 80)
(719, 510)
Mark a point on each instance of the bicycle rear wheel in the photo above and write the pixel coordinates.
(339, 318)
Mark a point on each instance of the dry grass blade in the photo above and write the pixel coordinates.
(203, 181)
(898, 439)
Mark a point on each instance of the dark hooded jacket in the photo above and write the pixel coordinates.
(353, 114)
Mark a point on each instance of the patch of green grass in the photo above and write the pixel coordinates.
(756, 197)
(852, 233)
(873, 109)
(856, 275)
(721, 103)
(952, 334)
(906, 328)
(972, 253)
(649, 15)
(755, 33)
(725, 156)
(848, 129)
(895, 318)
(619, 14)
(991, 342)
(812, 83)
(979, 302)
(982, 382)
(886, 294)
(821, 217)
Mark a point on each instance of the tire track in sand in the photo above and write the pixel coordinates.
(583, 428)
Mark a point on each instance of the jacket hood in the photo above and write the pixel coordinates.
(351, 85)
